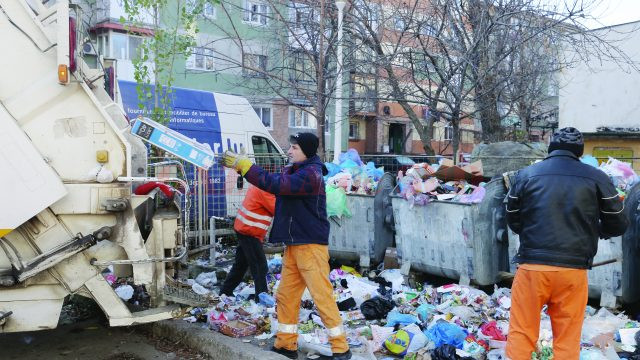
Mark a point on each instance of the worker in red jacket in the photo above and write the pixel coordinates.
(251, 225)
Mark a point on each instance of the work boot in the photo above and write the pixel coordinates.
(342, 356)
(291, 354)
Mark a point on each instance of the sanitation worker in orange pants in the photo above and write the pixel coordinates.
(560, 207)
(300, 221)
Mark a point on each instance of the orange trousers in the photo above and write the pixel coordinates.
(565, 292)
(307, 266)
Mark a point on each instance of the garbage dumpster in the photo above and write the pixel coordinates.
(365, 235)
(617, 281)
(455, 240)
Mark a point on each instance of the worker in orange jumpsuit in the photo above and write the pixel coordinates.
(300, 222)
(251, 226)
(560, 207)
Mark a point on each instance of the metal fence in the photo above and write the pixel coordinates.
(213, 197)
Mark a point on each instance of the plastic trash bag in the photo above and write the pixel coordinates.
(266, 299)
(602, 322)
(207, 279)
(337, 202)
(621, 173)
(394, 277)
(444, 352)
(443, 332)
(373, 172)
(125, 292)
(475, 197)
(398, 342)
(376, 308)
(350, 155)
(419, 339)
(332, 169)
(424, 310)
(395, 317)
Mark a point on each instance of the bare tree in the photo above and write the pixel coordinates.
(475, 58)
(291, 56)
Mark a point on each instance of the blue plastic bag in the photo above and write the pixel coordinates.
(424, 310)
(395, 317)
(446, 333)
(350, 155)
(333, 170)
(372, 172)
(266, 299)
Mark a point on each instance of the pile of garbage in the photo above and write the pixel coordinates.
(444, 181)
(351, 176)
(126, 289)
(621, 173)
(385, 317)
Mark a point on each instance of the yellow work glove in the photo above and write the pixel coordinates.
(239, 162)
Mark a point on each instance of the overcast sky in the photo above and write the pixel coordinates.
(613, 12)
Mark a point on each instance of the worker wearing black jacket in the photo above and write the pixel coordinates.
(559, 207)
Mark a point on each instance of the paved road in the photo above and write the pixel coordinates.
(90, 339)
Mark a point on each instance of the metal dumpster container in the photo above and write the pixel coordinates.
(365, 235)
(618, 281)
(455, 240)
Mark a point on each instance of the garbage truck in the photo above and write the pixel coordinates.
(69, 165)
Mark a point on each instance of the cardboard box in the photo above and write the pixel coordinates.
(391, 258)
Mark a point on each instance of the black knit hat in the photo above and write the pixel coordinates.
(568, 138)
(307, 141)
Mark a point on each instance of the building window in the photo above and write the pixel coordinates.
(264, 113)
(299, 118)
(448, 132)
(201, 58)
(354, 133)
(254, 65)
(256, 12)
(123, 46)
(208, 10)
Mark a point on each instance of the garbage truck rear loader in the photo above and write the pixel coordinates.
(64, 214)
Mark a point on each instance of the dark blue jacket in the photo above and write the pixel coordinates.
(560, 207)
(301, 203)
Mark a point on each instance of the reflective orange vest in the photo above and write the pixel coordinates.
(255, 215)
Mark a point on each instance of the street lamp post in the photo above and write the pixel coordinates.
(337, 135)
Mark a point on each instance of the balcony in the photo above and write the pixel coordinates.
(110, 11)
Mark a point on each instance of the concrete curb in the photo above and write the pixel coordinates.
(216, 345)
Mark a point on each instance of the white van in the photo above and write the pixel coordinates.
(223, 122)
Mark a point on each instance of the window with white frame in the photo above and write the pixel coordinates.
(448, 132)
(123, 46)
(264, 113)
(256, 12)
(299, 118)
(254, 65)
(354, 133)
(201, 58)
